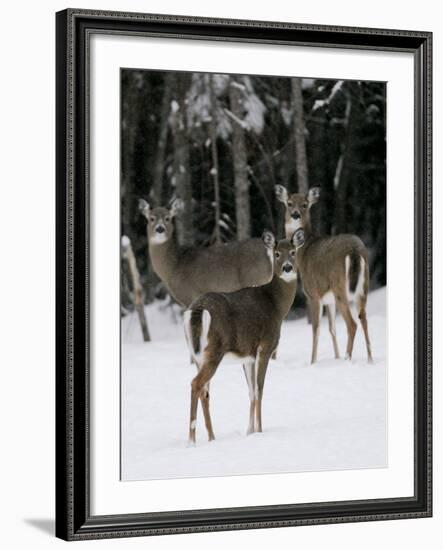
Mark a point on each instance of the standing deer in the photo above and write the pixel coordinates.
(334, 271)
(189, 272)
(246, 324)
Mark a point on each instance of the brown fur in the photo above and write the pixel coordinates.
(189, 272)
(246, 323)
(321, 264)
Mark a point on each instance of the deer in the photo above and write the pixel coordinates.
(245, 324)
(188, 272)
(334, 272)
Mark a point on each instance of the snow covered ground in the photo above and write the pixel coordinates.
(324, 417)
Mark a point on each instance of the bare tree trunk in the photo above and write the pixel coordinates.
(182, 176)
(299, 135)
(128, 138)
(301, 162)
(343, 179)
(137, 291)
(214, 170)
(241, 181)
(159, 168)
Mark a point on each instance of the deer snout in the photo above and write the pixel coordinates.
(295, 215)
(287, 268)
(160, 229)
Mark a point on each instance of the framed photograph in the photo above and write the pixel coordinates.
(243, 274)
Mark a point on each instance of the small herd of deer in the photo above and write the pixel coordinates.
(238, 294)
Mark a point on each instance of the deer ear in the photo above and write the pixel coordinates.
(313, 195)
(144, 207)
(268, 239)
(176, 207)
(281, 193)
(298, 238)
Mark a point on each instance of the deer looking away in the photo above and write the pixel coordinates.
(188, 272)
(334, 271)
(245, 324)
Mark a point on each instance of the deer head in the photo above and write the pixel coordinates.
(297, 207)
(160, 220)
(285, 256)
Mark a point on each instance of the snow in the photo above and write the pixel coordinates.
(200, 108)
(328, 416)
(338, 171)
(175, 106)
(126, 241)
(286, 113)
(255, 109)
(307, 83)
(238, 86)
(319, 103)
(237, 120)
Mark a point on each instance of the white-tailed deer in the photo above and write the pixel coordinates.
(334, 271)
(189, 272)
(245, 324)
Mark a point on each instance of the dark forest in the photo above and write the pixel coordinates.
(221, 143)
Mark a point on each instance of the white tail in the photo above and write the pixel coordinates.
(196, 347)
(245, 324)
(334, 271)
(189, 272)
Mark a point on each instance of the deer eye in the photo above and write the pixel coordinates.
(304, 205)
(167, 219)
(292, 253)
(289, 203)
(152, 219)
(277, 254)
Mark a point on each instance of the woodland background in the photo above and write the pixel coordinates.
(222, 142)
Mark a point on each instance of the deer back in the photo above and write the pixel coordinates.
(192, 272)
(322, 262)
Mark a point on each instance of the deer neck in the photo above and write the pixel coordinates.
(292, 225)
(305, 252)
(283, 294)
(163, 257)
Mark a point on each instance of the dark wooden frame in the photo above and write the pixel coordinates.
(73, 518)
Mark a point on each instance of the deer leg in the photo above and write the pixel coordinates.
(204, 399)
(315, 309)
(198, 387)
(193, 416)
(364, 326)
(261, 365)
(351, 325)
(249, 370)
(330, 308)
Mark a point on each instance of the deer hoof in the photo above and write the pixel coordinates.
(191, 443)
